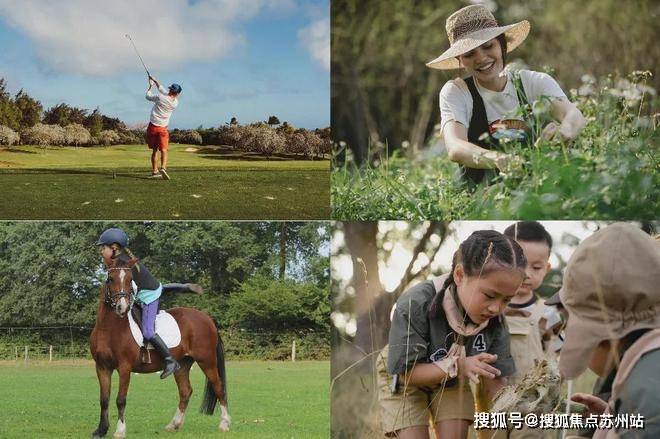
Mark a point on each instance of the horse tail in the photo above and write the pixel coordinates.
(210, 398)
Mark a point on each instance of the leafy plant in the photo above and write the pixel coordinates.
(609, 171)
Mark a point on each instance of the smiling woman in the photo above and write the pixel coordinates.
(481, 109)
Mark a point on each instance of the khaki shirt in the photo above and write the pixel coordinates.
(526, 341)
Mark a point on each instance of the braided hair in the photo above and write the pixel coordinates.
(483, 252)
(117, 250)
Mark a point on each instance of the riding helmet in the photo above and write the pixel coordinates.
(112, 236)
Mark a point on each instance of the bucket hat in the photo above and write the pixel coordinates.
(472, 26)
(610, 289)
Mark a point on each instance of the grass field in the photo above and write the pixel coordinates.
(266, 400)
(207, 183)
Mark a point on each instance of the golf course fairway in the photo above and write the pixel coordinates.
(206, 183)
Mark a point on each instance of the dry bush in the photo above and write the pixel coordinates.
(8, 136)
(305, 142)
(76, 135)
(262, 139)
(43, 135)
(188, 137)
(108, 137)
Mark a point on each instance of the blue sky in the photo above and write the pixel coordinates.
(244, 58)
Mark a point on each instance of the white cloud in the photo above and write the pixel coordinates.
(88, 36)
(316, 39)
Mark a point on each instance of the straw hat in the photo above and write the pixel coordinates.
(610, 289)
(469, 28)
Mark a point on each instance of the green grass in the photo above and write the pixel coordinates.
(266, 400)
(610, 171)
(207, 183)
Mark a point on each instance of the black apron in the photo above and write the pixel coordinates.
(478, 126)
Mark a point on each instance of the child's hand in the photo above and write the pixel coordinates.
(472, 367)
(595, 405)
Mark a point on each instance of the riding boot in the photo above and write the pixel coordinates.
(182, 288)
(171, 365)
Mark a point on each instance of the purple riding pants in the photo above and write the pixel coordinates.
(149, 319)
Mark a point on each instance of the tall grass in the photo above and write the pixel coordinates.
(610, 171)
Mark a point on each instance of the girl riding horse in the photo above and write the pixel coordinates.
(114, 245)
(113, 347)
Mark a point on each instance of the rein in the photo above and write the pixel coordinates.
(111, 298)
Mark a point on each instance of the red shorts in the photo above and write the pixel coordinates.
(157, 137)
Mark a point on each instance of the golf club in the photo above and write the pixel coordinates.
(138, 54)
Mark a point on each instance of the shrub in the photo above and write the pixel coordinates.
(108, 137)
(189, 137)
(266, 304)
(130, 137)
(262, 139)
(76, 135)
(43, 135)
(8, 136)
(304, 142)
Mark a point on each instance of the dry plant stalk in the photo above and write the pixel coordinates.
(538, 392)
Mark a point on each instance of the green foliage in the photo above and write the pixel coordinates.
(263, 303)
(9, 113)
(608, 172)
(50, 272)
(384, 94)
(30, 109)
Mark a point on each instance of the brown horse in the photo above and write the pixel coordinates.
(113, 347)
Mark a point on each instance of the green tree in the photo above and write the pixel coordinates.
(9, 113)
(58, 115)
(94, 122)
(273, 120)
(30, 109)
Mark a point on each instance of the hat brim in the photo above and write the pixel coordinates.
(581, 339)
(515, 34)
(554, 299)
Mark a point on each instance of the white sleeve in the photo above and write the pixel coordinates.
(163, 90)
(541, 84)
(454, 105)
(150, 97)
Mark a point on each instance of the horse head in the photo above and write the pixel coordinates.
(119, 287)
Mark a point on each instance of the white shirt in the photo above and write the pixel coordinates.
(456, 101)
(163, 107)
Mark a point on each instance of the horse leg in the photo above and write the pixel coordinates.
(124, 381)
(182, 377)
(211, 372)
(105, 378)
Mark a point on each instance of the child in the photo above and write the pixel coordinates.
(157, 135)
(114, 245)
(479, 106)
(610, 290)
(446, 331)
(526, 312)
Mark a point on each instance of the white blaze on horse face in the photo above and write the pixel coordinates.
(225, 420)
(123, 306)
(120, 432)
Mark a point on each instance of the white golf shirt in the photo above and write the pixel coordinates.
(456, 101)
(163, 107)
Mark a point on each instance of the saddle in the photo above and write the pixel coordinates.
(166, 327)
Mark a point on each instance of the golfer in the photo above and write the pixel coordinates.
(481, 108)
(157, 135)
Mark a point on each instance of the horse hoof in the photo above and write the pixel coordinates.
(172, 427)
(119, 436)
(224, 426)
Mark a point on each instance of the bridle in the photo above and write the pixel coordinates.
(113, 298)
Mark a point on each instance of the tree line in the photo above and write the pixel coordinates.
(23, 120)
(260, 276)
